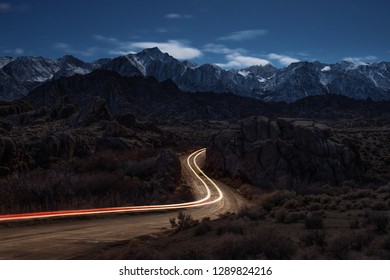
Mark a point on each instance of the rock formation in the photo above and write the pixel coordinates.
(282, 153)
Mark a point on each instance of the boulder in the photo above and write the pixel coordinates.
(95, 111)
(60, 146)
(5, 126)
(12, 158)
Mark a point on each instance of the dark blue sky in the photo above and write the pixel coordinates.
(233, 34)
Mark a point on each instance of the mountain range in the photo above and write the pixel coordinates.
(18, 76)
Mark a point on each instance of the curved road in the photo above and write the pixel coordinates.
(70, 238)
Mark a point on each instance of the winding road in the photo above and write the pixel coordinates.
(53, 238)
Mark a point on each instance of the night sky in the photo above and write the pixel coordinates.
(232, 34)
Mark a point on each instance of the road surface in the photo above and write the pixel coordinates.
(69, 238)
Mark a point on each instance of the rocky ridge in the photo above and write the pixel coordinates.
(265, 82)
(282, 153)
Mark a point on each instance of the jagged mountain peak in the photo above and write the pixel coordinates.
(70, 59)
(190, 64)
(153, 53)
(298, 80)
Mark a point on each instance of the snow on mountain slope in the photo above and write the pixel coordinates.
(4, 60)
(298, 80)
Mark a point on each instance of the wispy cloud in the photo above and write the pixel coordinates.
(99, 37)
(68, 49)
(175, 48)
(167, 30)
(162, 30)
(5, 7)
(282, 59)
(240, 61)
(8, 7)
(16, 51)
(235, 58)
(221, 49)
(361, 59)
(178, 16)
(244, 35)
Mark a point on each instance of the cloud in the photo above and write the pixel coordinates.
(361, 59)
(68, 49)
(162, 30)
(173, 47)
(178, 16)
(5, 7)
(99, 37)
(282, 59)
(218, 48)
(236, 58)
(16, 51)
(244, 35)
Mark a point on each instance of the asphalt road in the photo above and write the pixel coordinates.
(71, 237)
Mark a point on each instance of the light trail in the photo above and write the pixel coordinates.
(127, 209)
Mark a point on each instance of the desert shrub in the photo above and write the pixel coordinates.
(314, 206)
(379, 206)
(379, 220)
(313, 221)
(386, 243)
(254, 213)
(272, 244)
(292, 204)
(354, 224)
(143, 169)
(230, 247)
(231, 227)
(182, 222)
(275, 199)
(357, 205)
(263, 243)
(309, 253)
(325, 199)
(106, 160)
(332, 206)
(384, 189)
(338, 246)
(134, 252)
(203, 227)
(349, 184)
(360, 239)
(191, 254)
(294, 217)
(280, 215)
(357, 194)
(314, 237)
(344, 205)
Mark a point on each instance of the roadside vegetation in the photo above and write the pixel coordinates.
(342, 223)
(105, 179)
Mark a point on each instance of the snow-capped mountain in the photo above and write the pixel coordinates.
(4, 60)
(298, 80)
(19, 75)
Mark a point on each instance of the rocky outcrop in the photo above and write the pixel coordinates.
(12, 157)
(5, 126)
(282, 153)
(13, 107)
(93, 112)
